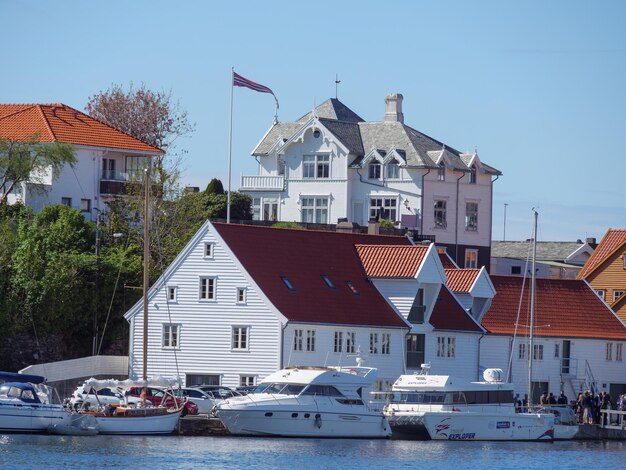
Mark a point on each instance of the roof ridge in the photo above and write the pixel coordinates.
(312, 230)
(45, 120)
(21, 110)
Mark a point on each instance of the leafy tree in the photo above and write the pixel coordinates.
(30, 161)
(215, 186)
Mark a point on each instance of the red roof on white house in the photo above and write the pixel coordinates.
(563, 308)
(391, 261)
(61, 123)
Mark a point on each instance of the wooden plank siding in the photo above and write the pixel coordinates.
(610, 276)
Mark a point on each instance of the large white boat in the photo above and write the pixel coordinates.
(307, 402)
(444, 407)
(28, 405)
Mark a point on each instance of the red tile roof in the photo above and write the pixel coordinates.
(448, 314)
(570, 308)
(613, 240)
(461, 280)
(303, 257)
(61, 123)
(445, 259)
(391, 261)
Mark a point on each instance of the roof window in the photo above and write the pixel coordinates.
(288, 284)
(328, 282)
(352, 288)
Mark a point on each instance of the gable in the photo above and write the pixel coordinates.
(610, 246)
(449, 314)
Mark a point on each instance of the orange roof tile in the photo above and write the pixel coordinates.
(391, 261)
(61, 123)
(461, 280)
(613, 240)
(564, 308)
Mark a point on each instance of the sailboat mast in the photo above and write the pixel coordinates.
(532, 312)
(146, 259)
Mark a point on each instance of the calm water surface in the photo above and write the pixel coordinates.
(24, 451)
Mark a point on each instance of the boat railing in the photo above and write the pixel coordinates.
(564, 414)
(613, 419)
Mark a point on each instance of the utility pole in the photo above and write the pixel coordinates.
(504, 234)
(94, 347)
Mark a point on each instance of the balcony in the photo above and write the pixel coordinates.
(262, 183)
(117, 182)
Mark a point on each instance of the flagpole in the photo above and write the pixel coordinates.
(230, 143)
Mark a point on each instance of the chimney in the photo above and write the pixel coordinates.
(591, 241)
(344, 226)
(393, 108)
(373, 227)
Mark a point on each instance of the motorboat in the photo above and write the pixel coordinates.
(443, 407)
(307, 401)
(28, 405)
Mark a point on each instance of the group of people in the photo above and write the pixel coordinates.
(588, 407)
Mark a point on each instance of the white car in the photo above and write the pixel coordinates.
(86, 397)
(203, 400)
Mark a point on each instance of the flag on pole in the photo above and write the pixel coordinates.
(238, 80)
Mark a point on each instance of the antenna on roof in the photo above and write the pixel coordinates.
(337, 82)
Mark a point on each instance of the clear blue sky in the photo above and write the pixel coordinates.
(538, 87)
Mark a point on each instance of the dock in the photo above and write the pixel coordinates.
(201, 425)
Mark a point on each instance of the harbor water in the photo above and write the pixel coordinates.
(42, 451)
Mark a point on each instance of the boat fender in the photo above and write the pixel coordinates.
(318, 420)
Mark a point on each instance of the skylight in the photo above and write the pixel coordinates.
(288, 284)
(328, 281)
(352, 288)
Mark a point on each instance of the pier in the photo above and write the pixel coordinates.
(201, 425)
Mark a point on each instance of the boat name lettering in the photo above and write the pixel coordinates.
(462, 437)
(503, 425)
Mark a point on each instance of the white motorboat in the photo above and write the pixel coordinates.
(28, 405)
(307, 402)
(423, 406)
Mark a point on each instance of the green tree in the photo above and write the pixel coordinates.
(215, 186)
(29, 162)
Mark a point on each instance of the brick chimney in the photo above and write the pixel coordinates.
(393, 108)
(373, 227)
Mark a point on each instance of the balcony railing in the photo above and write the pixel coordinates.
(114, 175)
(262, 183)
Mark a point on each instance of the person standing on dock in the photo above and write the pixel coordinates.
(562, 400)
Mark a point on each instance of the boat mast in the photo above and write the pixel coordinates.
(532, 312)
(146, 279)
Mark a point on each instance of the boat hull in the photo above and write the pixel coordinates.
(460, 426)
(408, 427)
(27, 417)
(298, 422)
(141, 425)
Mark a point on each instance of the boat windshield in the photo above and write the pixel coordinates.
(453, 398)
(322, 390)
(283, 389)
(418, 397)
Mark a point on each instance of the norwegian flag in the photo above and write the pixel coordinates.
(238, 80)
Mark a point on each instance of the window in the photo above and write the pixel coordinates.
(246, 380)
(85, 205)
(393, 170)
(240, 337)
(374, 171)
(310, 340)
(170, 335)
(557, 350)
(241, 295)
(207, 288)
(538, 352)
(350, 342)
(440, 214)
(471, 176)
(415, 350)
(314, 210)
(416, 314)
(373, 343)
(617, 294)
(471, 216)
(316, 166)
(297, 340)
(171, 294)
(256, 208)
(446, 346)
(441, 172)
(600, 293)
(609, 352)
(471, 258)
(288, 283)
(201, 379)
(108, 169)
(66, 201)
(624, 255)
(521, 351)
(516, 270)
(208, 250)
(135, 166)
(281, 167)
(328, 282)
(383, 208)
(385, 346)
(352, 288)
(618, 352)
(270, 209)
(338, 341)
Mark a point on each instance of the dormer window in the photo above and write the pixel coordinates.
(471, 176)
(441, 172)
(374, 171)
(393, 170)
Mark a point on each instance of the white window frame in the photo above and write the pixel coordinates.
(617, 294)
(383, 207)
(451, 344)
(618, 351)
(609, 352)
(471, 216)
(172, 294)
(374, 170)
(318, 207)
(85, 205)
(385, 347)
(600, 293)
(521, 351)
(471, 175)
(242, 295)
(211, 288)
(393, 166)
(170, 338)
(350, 342)
(298, 340)
(256, 208)
(557, 350)
(373, 343)
(441, 172)
(247, 380)
(446, 347)
(310, 340)
(208, 250)
(316, 163)
(338, 344)
(240, 338)
(537, 352)
(440, 214)
(471, 258)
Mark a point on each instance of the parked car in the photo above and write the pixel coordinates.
(218, 392)
(157, 397)
(247, 389)
(85, 396)
(202, 399)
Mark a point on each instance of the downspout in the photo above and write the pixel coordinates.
(478, 362)
(422, 204)
(456, 228)
(282, 345)
(491, 221)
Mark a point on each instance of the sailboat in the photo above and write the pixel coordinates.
(143, 418)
